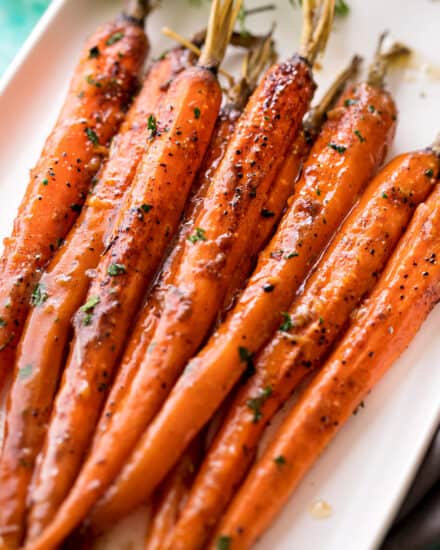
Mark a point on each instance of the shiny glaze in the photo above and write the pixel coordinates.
(99, 92)
(217, 367)
(346, 273)
(48, 327)
(282, 188)
(231, 210)
(379, 333)
(162, 181)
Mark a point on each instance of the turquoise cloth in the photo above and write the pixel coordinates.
(17, 19)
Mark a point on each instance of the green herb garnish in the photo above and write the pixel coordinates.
(116, 269)
(255, 403)
(339, 148)
(39, 295)
(198, 235)
(287, 324)
(197, 112)
(359, 136)
(114, 38)
(152, 125)
(91, 134)
(223, 542)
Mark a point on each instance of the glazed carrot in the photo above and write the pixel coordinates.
(147, 220)
(347, 271)
(382, 329)
(104, 81)
(171, 497)
(41, 352)
(287, 83)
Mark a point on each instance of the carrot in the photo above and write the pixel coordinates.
(41, 352)
(280, 100)
(102, 86)
(381, 330)
(171, 497)
(148, 218)
(347, 271)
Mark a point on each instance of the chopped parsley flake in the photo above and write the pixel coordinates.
(39, 295)
(279, 460)
(255, 403)
(338, 148)
(89, 306)
(92, 81)
(146, 207)
(287, 324)
(223, 542)
(114, 38)
(3, 323)
(91, 134)
(291, 255)
(198, 235)
(116, 269)
(45, 181)
(152, 125)
(429, 173)
(197, 112)
(384, 195)
(349, 102)
(359, 136)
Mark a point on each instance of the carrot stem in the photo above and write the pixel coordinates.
(317, 24)
(383, 59)
(316, 115)
(220, 27)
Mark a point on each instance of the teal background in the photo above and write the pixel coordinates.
(17, 19)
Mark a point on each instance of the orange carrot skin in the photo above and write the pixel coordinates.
(144, 329)
(147, 220)
(101, 89)
(381, 331)
(348, 270)
(171, 497)
(42, 347)
(207, 380)
(275, 204)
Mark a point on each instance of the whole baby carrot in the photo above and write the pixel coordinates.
(101, 88)
(381, 330)
(180, 132)
(41, 352)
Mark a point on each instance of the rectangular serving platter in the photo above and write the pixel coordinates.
(365, 473)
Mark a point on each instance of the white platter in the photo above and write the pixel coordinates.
(365, 473)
